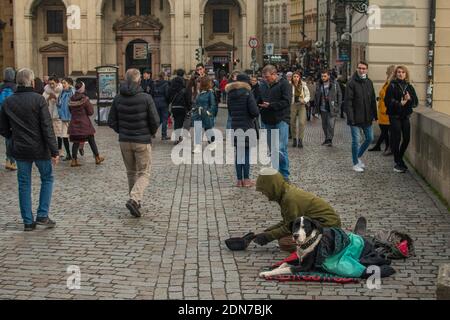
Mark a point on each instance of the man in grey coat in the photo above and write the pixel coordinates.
(328, 100)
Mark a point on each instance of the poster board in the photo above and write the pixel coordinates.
(107, 89)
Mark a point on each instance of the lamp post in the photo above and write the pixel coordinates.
(360, 6)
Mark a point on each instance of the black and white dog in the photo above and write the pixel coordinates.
(307, 234)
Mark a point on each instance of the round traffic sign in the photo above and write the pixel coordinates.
(253, 43)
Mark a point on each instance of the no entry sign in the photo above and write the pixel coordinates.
(253, 42)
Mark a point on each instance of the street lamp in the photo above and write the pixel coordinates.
(361, 6)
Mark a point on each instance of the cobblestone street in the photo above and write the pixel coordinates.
(177, 250)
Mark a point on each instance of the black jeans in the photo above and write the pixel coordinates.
(400, 131)
(92, 144)
(384, 136)
(66, 145)
(178, 117)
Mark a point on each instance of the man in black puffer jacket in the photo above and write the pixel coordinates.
(25, 120)
(361, 109)
(135, 118)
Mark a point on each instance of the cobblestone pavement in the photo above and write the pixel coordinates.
(177, 251)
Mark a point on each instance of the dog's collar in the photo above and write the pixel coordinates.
(310, 242)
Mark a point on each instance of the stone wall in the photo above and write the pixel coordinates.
(429, 151)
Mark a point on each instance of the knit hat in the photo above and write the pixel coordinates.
(80, 87)
(9, 74)
(243, 78)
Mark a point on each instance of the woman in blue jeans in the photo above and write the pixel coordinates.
(243, 111)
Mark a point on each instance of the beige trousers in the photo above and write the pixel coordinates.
(298, 109)
(138, 161)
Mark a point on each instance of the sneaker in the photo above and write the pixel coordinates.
(374, 149)
(133, 206)
(399, 168)
(325, 142)
(387, 153)
(357, 168)
(361, 164)
(300, 144)
(404, 166)
(67, 158)
(248, 183)
(46, 222)
(239, 184)
(13, 167)
(29, 227)
(165, 138)
(294, 143)
(330, 143)
(81, 151)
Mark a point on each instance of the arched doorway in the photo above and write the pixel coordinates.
(138, 55)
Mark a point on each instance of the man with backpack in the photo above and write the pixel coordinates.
(7, 89)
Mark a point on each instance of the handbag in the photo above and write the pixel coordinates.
(176, 96)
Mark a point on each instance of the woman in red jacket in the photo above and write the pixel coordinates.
(80, 127)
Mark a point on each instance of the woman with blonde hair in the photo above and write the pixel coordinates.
(383, 118)
(300, 97)
(400, 100)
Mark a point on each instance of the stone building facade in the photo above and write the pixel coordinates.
(159, 34)
(6, 35)
(277, 27)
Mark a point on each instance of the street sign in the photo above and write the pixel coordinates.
(269, 49)
(253, 43)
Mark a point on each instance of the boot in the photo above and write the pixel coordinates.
(300, 143)
(99, 160)
(13, 167)
(8, 165)
(75, 163)
(294, 143)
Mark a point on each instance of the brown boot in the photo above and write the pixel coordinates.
(75, 163)
(99, 160)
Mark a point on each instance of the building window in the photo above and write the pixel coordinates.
(130, 7)
(221, 21)
(139, 8)
(284, 14)
(145, 7)
(55, 24)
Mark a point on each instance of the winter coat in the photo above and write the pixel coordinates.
(242, 106)
(63, 104)
(223, 84)
(80, 125)
(312, 90)
(51, 96)
(360, 102)
(205, 109)
(294, 203)
(306, 93)
(394, 94)
(179, 95)
(279, 96)
(334, 96)
(133, 115)
(25, 119)
(256, 93)
(161, 94)
(148, 86)
(383, 118)
(6, 89)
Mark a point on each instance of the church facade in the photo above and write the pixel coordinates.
(72, 37)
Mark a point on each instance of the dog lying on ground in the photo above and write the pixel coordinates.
(330, 250)
(307, 234)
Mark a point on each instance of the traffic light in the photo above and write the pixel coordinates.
(197, 54)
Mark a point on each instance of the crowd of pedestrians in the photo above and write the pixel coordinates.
(38, 118)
